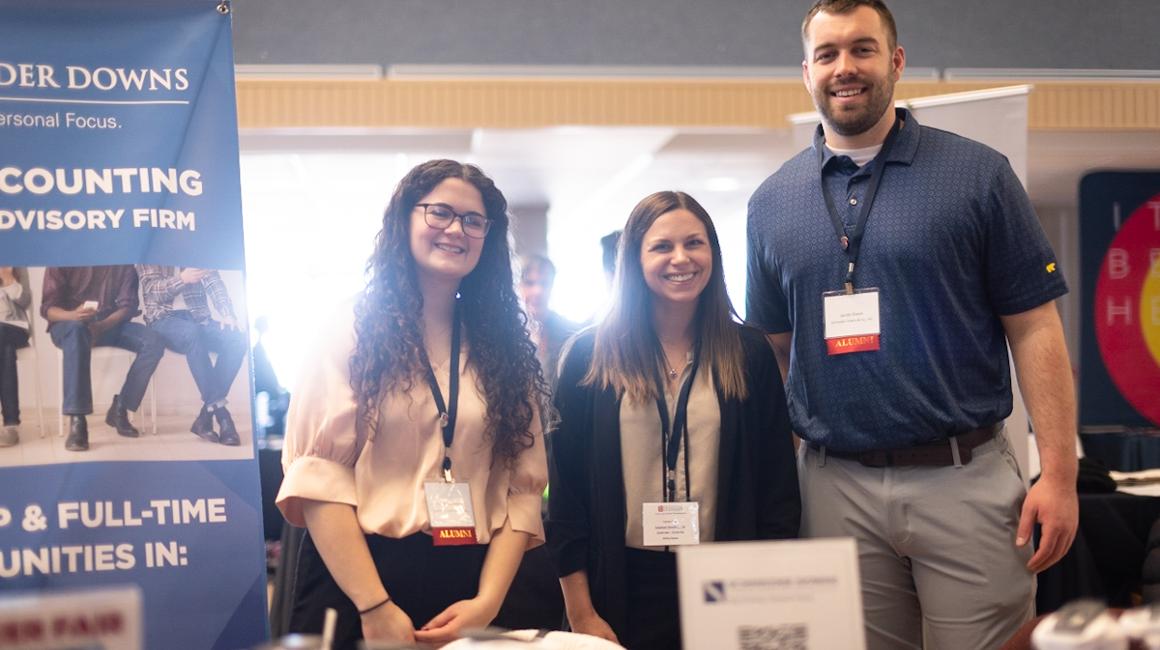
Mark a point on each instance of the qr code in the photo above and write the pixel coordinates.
(790, 636)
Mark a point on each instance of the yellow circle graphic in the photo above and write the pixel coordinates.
(1150, 310)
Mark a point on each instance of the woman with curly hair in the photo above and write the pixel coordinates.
(671, 408)
(414, 455)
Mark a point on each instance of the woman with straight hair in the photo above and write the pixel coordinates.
(414, 454)
(666, 407)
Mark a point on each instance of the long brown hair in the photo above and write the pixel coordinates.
(627, 356)
(388, 353)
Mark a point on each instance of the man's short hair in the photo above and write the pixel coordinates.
(608, 246)
(846, 6)
(538, 264)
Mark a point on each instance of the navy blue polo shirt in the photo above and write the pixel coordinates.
(952, 243)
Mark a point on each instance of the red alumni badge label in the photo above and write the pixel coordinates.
(464, 536)
(847, 344)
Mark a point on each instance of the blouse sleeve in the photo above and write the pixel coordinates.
(323, 440)
(526, 489)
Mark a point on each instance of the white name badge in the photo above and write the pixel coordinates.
(450, 512)
(851, 321)
(672, 524)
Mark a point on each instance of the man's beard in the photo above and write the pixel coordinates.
(860, 120)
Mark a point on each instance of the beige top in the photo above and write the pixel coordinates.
(327, 458)
(644, 467)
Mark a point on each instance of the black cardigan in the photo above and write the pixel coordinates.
(757, 486)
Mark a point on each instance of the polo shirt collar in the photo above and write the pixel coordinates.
(904, 147)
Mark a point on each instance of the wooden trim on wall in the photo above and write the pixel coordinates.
(530, 103)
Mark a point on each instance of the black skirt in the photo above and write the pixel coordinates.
(422, 579)
(653, 620)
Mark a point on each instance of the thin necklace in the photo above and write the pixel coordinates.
(673, 372)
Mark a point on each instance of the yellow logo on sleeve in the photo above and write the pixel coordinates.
(1051, 267)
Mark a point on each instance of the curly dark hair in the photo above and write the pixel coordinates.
(389, 354)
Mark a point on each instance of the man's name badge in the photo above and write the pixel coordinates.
(852, 323)
(672, 524)
(450, 512)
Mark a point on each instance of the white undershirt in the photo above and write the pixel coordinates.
(859, 156)
(179, 299)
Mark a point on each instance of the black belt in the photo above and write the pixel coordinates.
(935, 454)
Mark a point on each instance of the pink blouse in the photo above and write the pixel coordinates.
(327, 457)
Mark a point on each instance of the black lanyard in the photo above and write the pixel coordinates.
(447, 415)
(853, 244)
(671, 440)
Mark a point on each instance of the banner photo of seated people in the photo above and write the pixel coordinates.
(126, 453)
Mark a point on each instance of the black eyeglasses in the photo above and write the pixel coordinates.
(440, 216)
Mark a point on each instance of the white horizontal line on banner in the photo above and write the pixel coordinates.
(93, 101)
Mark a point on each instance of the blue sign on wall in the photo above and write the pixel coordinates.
(1120, 362)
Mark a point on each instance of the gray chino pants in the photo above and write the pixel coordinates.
(936, 545)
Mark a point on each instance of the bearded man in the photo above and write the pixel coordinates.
(892, 264)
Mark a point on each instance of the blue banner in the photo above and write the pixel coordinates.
(119, 153)
(120, 134)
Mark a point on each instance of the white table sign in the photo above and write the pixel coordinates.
(794, 594)
(108, 618)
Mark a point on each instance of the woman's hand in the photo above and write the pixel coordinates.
(592, 624)
(582, 616)
(449, 624)
(388, 622)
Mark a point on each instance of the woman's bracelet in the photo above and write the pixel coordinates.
(364, 612)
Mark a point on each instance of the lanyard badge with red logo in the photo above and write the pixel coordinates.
(449, 507)
(851, 317)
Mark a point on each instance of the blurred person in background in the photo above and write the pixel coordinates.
(608, 247)
(549, 330)
(277, 398)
